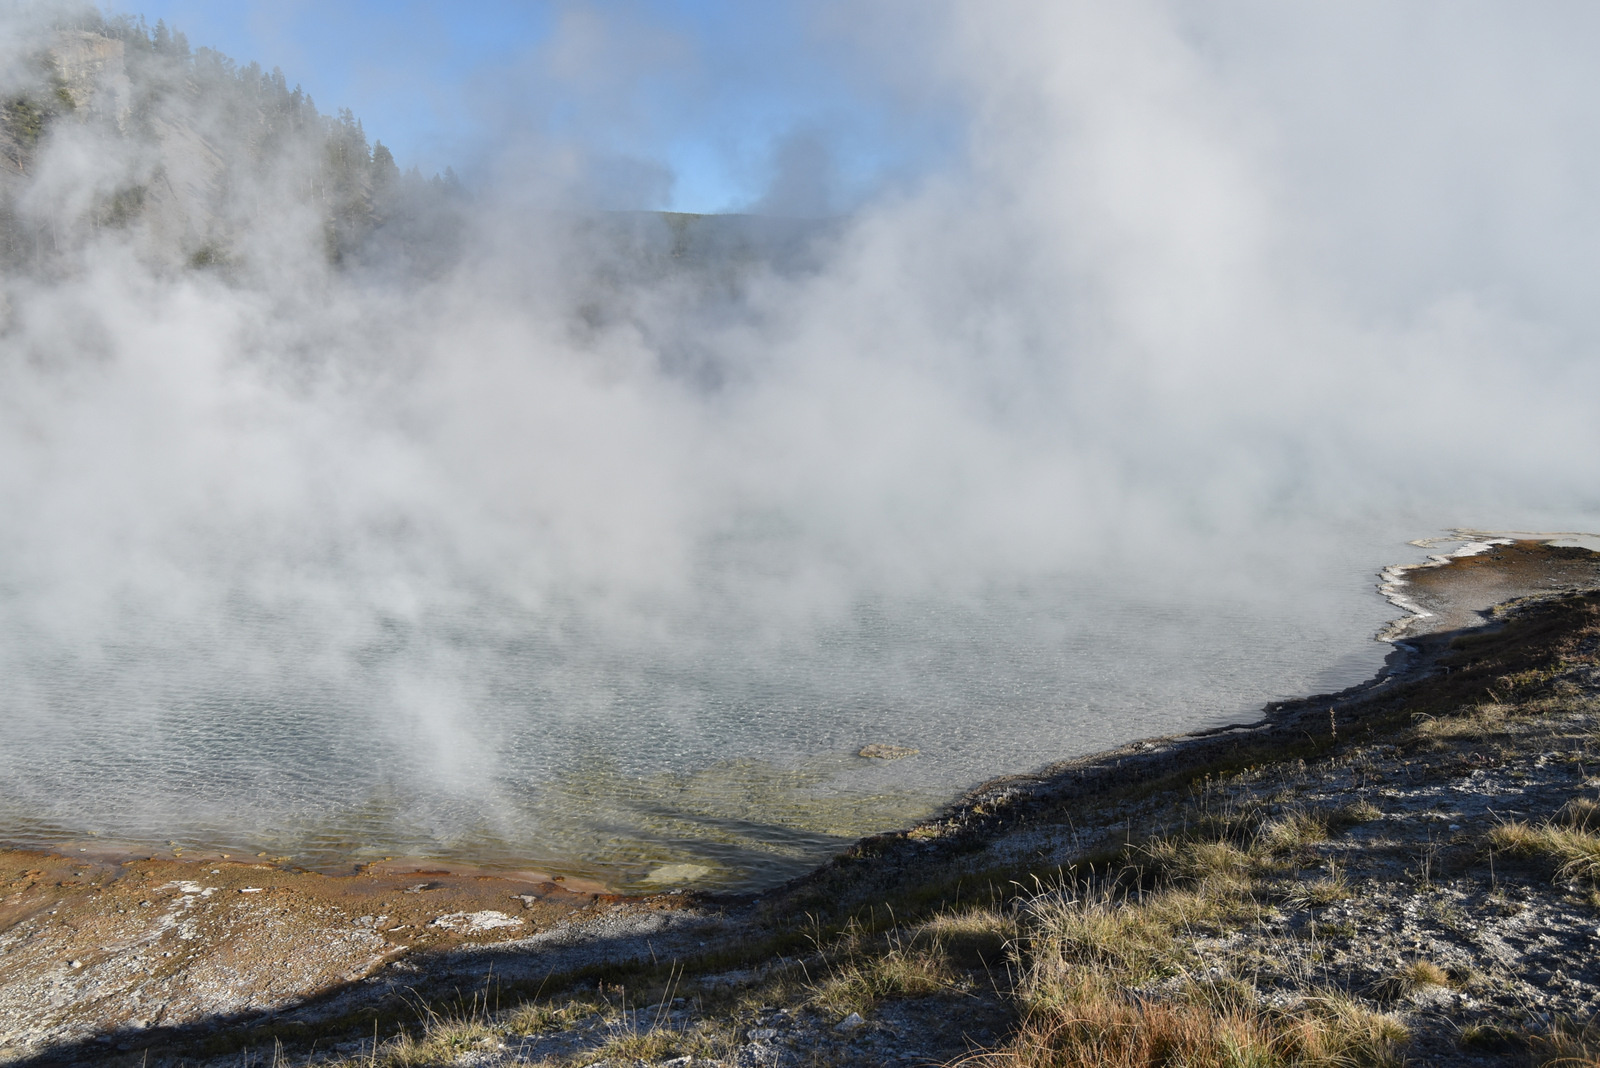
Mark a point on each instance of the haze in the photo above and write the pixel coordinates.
(1154, 304)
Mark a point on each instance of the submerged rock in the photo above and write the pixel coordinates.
(677, 874)
(878, 751)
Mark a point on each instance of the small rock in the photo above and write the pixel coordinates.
(878, 751)
(677, 874)
(75, 964)
(850, 1023)
(471, 922)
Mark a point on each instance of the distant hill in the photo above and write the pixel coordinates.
(109, 123)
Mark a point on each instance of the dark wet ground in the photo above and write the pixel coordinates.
(1458, 592)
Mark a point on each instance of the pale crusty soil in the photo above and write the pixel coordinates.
(90, 947)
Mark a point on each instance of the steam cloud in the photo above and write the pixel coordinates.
(1206, 299)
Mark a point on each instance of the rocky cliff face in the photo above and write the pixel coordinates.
(78, 74)
(92, 72)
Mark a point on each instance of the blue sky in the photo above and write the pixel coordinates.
(692, 105)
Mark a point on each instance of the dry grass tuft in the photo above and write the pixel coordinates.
(1578, 851)
(1106, 1032)
(1113, 978)
(1110, 938)
(443, 1041)
(1490, 1036)
(976, 938)
(1515, 838)
(1581, 814)
(1483, 722)
(1566, 1046)
(858, 985)
(542, 1017)
(1294, 830)
(1422, 973)
(657, 1044)
(1320, 893)
(862, 970)
(1354, 813)
(1217, 866)
(1414, 976)
(1575, 851)
(1104, 1029)
(1349, 1033)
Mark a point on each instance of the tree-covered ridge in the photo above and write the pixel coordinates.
(190, 147)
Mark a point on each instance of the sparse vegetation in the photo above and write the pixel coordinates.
(1354, 813)
(1575, 851)
(1105, 1031)
(1566, 1045)
(1114, 977)
(1320, 892)
(1580, 814)
(442, 1040)
(1414, 976)
(974, 937)
(539, 1017)
(863, 968)
(1295, 830)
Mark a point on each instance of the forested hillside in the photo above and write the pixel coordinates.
(110, 123)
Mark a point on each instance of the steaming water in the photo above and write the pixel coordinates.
(432, 558)
(697, 754)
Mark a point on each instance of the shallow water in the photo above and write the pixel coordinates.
(705, 752)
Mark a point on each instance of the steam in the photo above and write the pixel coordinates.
(1208, 305)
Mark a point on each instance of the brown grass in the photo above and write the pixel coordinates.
(1354, 813)
(1480, 724)
(1414, 976)
(1294, 830)
(973, 938)
(1581, 814)
(443, 1041)
(863, 969)
(1567, 1046)
(1575, 851)
(1321, 892)
(1217, 866)
(1420, 974)
(663, 1043)
(1112, 938)
(1105, 1030)
(1113, 978)
(540, 1017)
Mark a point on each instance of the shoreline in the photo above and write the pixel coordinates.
(256, 946)
(1396, 583)
(1393, 580)
(1283, 723)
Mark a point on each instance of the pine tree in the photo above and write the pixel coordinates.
(384, 171)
